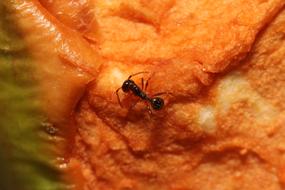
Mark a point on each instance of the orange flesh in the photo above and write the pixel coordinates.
(223, 127)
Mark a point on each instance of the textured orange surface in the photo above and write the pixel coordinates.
(223, 126)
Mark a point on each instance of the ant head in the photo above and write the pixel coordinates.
(157, 103)
(126, 85)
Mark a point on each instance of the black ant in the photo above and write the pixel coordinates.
(129, 85)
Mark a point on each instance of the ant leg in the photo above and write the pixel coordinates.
(142, 84)
(118, 97)
(146, 84)
(149, 110)
(137, 74)
(162, 93)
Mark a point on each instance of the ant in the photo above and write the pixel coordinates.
(129, 85)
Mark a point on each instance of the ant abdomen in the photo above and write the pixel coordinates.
(157, 103)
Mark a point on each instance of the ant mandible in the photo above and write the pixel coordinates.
(129, 85)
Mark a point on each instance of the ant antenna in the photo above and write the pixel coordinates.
(118, 97)
(137, 74)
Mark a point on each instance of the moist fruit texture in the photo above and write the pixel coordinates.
(27, 158)
(222, 126)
